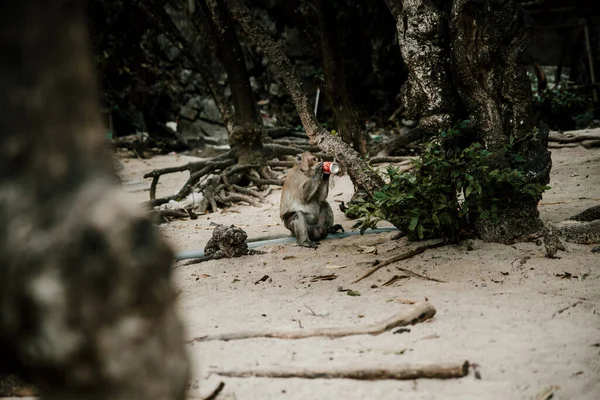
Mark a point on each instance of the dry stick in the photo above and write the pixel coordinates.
(391, 159)
(398, 372)
(419, 312)
(401, 257)
(562, 310)
(215, 392)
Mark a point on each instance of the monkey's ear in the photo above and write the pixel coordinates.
(298, 158)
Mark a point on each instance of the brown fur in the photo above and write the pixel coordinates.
(304, 208)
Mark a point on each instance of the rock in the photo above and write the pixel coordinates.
(192, 132)
(226, 242)
(210, 111)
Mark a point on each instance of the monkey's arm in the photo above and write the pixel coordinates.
(315, 188)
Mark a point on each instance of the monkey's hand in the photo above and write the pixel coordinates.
(319, 170)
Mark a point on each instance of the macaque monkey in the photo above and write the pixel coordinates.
(304, 208)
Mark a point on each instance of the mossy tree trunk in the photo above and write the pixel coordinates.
(464, 63)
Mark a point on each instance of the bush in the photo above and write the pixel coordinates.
(447, 190)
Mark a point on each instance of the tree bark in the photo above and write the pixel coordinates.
(335, 80)
(488, 38)
(357, 169)
(247, 132)
(463, 62)
(86, 302)
(428, 95)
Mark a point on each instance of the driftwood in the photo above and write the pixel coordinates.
(380, 264)
(397, 372)
(419, 312)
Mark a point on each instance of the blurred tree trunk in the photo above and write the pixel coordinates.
(86, 301)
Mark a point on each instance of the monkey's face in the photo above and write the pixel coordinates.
(306, 161)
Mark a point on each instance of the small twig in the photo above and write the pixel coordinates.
(416, 275)
(215, 392)
(397, 372)
(562, 310)
(419, 312)
(311, 310)
(395, 278)
(401, 257)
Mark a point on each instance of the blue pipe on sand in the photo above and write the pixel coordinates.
(184, 255)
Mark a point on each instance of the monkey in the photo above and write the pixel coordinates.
(304, 209)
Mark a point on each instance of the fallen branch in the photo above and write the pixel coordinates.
(400, 257)
(391, 159)
(397, 372)
(419, 312)
(562, 310)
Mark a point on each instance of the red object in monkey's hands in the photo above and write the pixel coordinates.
(330, 167)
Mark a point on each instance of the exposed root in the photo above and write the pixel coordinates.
(220, 181)
(579, 232)
(588, 214)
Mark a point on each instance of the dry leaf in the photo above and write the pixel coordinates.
(368, 249)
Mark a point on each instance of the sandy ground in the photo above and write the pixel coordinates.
(498, 306)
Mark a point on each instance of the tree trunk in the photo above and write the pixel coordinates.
(335, 80)
(463, 61)
(358, 170)
(86, 302)
(155, 10)
(488, 38)
(428, 95)
(247, 131)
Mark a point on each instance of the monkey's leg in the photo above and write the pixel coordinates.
(296, 223)
(326, 219)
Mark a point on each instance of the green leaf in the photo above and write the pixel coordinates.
(469, 190)
(420, 231)
(413, 223)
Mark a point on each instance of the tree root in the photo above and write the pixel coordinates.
(380, 264)
(396, 372)
(579, 232)
(419, 312)
(588, 214)
(573, 136)
(219, 181)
